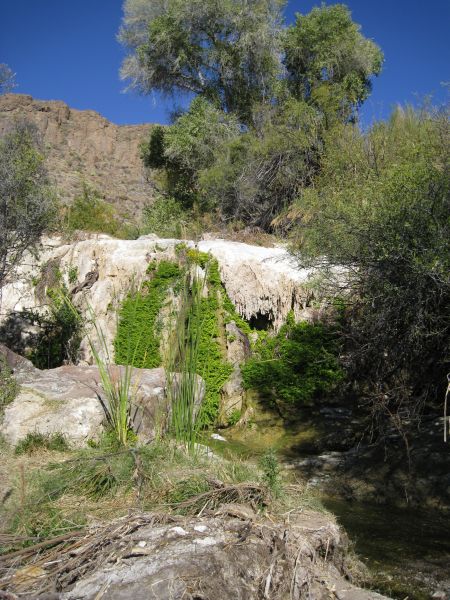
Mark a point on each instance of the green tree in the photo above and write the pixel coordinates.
(226, 51)
(380, 210)
(258, 173)
(329, 62)
(26, 202)
(189, 146)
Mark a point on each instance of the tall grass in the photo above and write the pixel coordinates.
(181, 364)
(116, 380)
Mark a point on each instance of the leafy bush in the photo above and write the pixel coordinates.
(60, 332)
(27, 203)
(297, 365)
(380, 210)
(255, 175)
(89, 212)
(166, 218)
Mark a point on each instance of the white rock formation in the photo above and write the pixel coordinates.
(263, 283)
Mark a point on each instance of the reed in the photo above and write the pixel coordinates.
(182, 358)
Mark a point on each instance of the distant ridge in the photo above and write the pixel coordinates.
(81, 145)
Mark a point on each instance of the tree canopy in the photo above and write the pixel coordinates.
(329, 62)
(226, 51)
(26, 203)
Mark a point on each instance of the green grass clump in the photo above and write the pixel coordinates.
(271, 472)
(137, 341)
(39, 441)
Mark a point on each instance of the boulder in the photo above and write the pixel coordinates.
(230, 554)
(70, 400)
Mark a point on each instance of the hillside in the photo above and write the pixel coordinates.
(81, 145)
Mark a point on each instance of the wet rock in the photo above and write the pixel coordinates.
(237, 351)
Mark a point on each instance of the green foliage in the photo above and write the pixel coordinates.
(27, 205)
(38, 441)
(258, 173)
(227, 52)
(73, 274)
(187, 147)
(329, 62)
(296, 366)
(152, 152)
(89, 212)
(137, 339)
(380, 209)
(60, 332)
(270, 468)
(9, 387)
(212, 366)
(233, 417)
(242, 149)
(166, 217)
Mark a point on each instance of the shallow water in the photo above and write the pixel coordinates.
(407, 551)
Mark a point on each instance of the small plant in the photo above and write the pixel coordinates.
(9, 387)
(271, 472)
(73, 274)
(234, 417)
(181, 366)
(39, 441)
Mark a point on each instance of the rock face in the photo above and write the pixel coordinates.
(263, 283)
(238, 350)
(81, 145)
(68, 400)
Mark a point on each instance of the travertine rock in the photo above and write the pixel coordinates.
(81, 145)
(263, 283)
(238, 350)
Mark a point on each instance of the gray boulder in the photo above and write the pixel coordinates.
(70, 400)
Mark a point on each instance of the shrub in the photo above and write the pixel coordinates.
(297, 365)
(89, 212)
(270, 468)
(166, 217)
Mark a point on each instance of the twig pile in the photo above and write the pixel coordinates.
(55, 564)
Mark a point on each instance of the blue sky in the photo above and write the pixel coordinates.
(67, 50)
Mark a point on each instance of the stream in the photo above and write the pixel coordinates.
(407, 550)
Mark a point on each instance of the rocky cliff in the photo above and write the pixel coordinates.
(81, 145)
